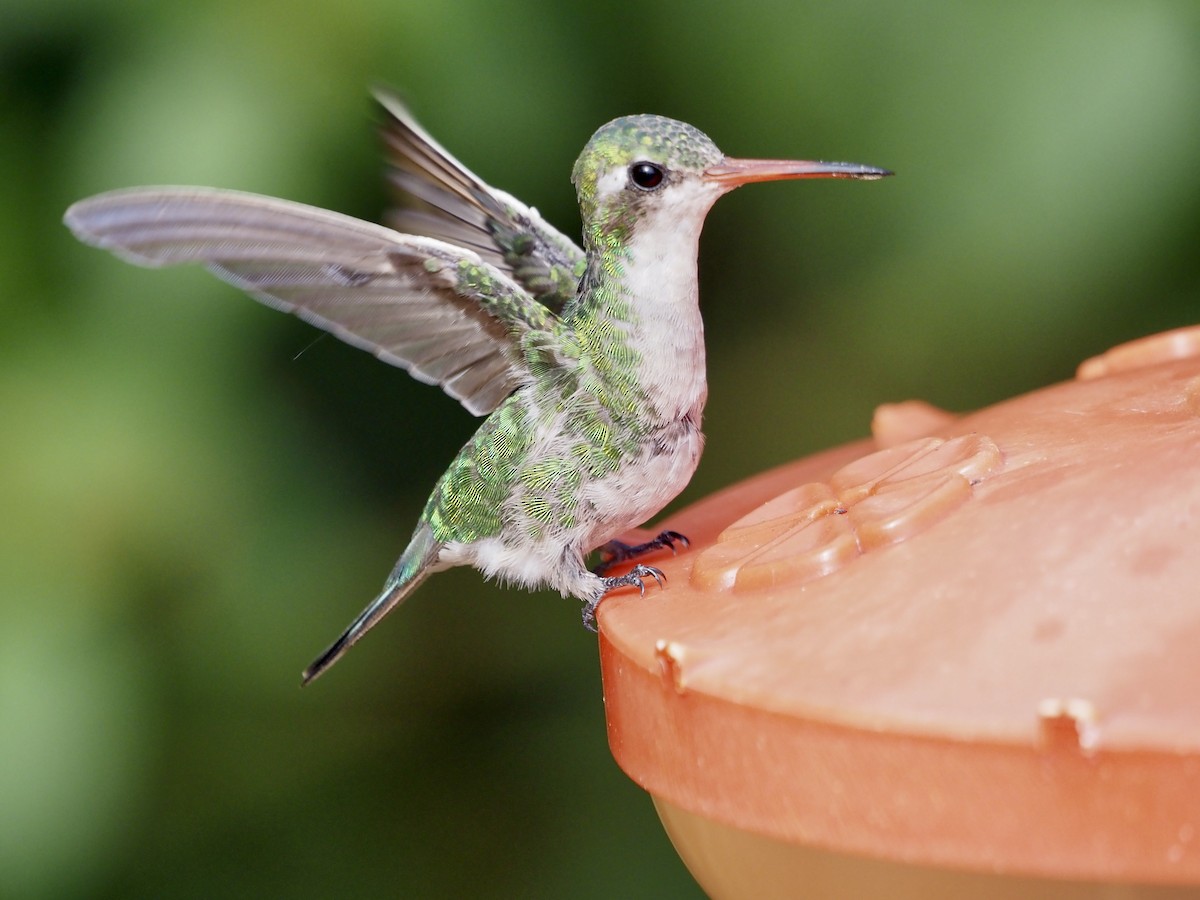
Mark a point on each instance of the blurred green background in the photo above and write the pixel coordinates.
(198, 498)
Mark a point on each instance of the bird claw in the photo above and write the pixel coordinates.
(655, 573)
(615, 552)
(635, 577)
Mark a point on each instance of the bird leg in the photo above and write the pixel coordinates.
(615, 552)
(635, 577)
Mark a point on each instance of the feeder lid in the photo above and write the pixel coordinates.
(970, 641)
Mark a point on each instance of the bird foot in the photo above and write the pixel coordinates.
(615, 552)
(635, 577)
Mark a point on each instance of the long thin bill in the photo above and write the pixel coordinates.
(732, 173)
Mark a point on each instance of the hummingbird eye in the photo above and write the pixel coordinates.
(646, 175)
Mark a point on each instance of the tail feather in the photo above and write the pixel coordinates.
(410, 571)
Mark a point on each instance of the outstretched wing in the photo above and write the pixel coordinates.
(437, 310)
(445, 200)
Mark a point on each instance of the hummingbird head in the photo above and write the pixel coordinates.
(643, 166)
(649, 167)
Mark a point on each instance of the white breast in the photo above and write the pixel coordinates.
(660, 279)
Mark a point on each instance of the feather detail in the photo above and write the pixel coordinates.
(443, 199)
(439, 311)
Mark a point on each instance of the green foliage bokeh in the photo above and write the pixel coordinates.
(197, 496)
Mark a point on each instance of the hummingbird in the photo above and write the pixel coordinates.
(587, 362)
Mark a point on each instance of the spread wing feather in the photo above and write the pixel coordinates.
(445, 200)
(402, 297)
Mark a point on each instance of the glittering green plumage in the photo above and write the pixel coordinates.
(587, 362)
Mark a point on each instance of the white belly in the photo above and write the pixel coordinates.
(642, 487)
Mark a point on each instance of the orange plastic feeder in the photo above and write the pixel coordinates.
(959, 659)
